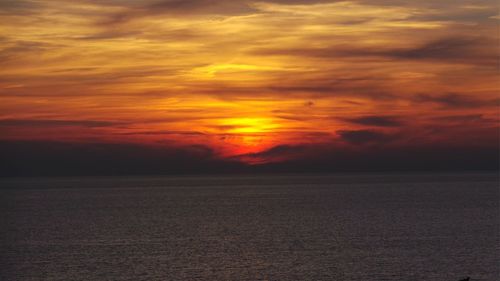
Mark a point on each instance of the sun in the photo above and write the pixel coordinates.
(249, 134)
(249, 125)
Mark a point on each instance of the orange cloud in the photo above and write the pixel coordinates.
(250, 77)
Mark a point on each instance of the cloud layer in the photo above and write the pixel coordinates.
(250, 79)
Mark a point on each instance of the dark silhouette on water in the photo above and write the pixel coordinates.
(466, 279)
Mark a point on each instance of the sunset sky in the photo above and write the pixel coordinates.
(251, 82)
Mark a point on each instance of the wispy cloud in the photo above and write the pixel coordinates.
(57, 123)
(254, 78)
(378, 121)
(363, 136)
(453, 100)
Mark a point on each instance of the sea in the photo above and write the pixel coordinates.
(353, 227)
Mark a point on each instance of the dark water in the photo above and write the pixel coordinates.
(342, 227)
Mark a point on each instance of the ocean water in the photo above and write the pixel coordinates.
(286, 227)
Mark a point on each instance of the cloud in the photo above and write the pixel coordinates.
(457, 49)
(197, 7)
(18, 7)
(356, 86)
(334, 157)
(57, 123)
(279, 153)
(164, 132)
(454, 100)
(110, 34)
(16, 49)
(50, 158)
(38, 158)
(180, 8)
(362, 73)
(464, 118)
(374, 120)
(363, 136)
(461, 13)
(467, 50)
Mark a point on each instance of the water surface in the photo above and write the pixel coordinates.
(307, 227)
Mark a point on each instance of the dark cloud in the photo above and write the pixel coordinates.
(195, 7)
(460, 14)
(309, 103)
(324, 86)
(274, 153)
(468, 50)
(336, 158)
(181, 8)
(18, 7)
(31, 158)
(37, 158)
(454, 100)
(442, 5)
(303, 88)
(360, 86)
(62, 81)
(165, 132)
(374, 120)
(110, 34)
(19, 49)
(466, 118)
(457, 49)
(363, 136)
(199, 6)
(57, 123)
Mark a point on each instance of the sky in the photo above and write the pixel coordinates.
(177, 86)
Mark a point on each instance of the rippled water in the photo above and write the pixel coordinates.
(342, 227)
